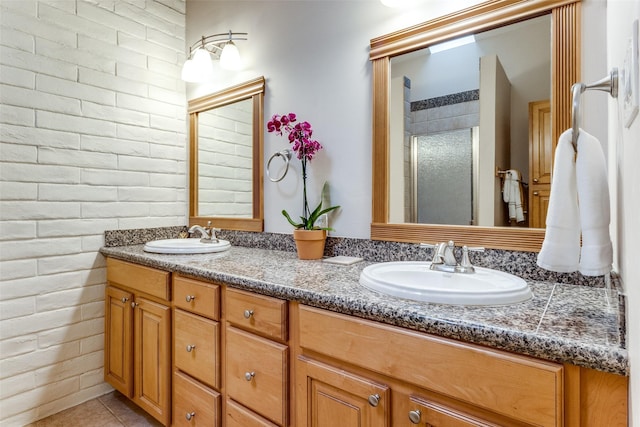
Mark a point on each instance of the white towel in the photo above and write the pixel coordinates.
(512, 195)
(596, 255)
(561, 246)
(579, 201)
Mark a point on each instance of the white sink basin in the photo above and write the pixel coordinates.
(414, 280)
(185, 246)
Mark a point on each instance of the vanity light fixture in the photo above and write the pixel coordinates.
(450, 44)
(198, 66)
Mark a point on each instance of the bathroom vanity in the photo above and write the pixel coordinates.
(255, 337)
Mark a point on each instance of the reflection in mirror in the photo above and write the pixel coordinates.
(515, 97)
(225, 143)
(486, 84)
(225, 167)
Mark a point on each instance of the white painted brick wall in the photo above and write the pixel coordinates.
(92, 137)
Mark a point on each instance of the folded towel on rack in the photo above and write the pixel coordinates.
(512, 194)
(561, 246)
(596, 254)
(579, 201)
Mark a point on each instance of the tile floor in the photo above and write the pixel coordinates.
(110, 410)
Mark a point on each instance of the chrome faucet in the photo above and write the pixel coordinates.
(207, 234)
(444, 257)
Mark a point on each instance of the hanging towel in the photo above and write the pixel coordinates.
(596, 254)
(512, 195)
(561, 246)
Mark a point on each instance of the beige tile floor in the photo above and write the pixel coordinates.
(110, 410)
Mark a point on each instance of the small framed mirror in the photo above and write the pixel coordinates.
(225, 165)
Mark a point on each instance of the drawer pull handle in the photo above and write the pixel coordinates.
(249, 375)
(248, 314)
(374, 399)
(190, 298)
(414, 416)
(190, 348)
(189, 416)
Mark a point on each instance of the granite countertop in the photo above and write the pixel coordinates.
(565, 323)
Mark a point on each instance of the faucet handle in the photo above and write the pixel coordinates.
(466, 262)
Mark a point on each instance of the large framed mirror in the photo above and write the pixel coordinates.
(225, 162)
(401, 91)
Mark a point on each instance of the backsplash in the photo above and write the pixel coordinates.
(522, 264)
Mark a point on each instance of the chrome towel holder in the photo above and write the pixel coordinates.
(607, 84)
(286, 155)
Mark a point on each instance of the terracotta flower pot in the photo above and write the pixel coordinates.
(310, 243)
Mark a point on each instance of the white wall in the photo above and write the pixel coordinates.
(93, 136)
(624, 176)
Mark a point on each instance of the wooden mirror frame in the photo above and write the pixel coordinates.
(254, 90)
(565, 70)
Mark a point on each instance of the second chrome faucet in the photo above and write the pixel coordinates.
(444, 257)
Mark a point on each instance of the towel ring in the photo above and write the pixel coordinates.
(286, 155)
(608, 84)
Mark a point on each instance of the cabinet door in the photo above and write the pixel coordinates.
(335, 397)
(118, 341)
(152, 358)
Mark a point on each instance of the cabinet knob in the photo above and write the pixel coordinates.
(190, 298)
(535, 193)
(189, 415)
(190, 347)
(249, 375)
(248, 314)
(124, 299)
(414, 416)
(535, 179)
(134, 304)
(374, 399)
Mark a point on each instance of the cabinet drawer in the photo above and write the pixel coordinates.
(430, 413)
(518, 387)
(197, 297)
(139, 278)
(257, 313)
(194, 404)
(195, 348)
(257, 373)
(239, 416)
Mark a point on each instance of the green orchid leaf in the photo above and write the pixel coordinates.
(296, 225)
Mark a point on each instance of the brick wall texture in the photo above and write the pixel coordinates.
(92, 137)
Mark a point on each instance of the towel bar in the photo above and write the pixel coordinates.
(608, 84)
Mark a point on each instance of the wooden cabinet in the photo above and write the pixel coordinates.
(496, 387)
(540, 162)
(336, 397)
(138, 336)
(431, 381)
(228, 364)
(196, 353)
(257, 358)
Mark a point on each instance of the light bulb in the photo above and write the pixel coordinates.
(203, 68)
(189, 72)
(230, 57)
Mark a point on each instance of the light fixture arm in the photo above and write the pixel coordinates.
(216, 42)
